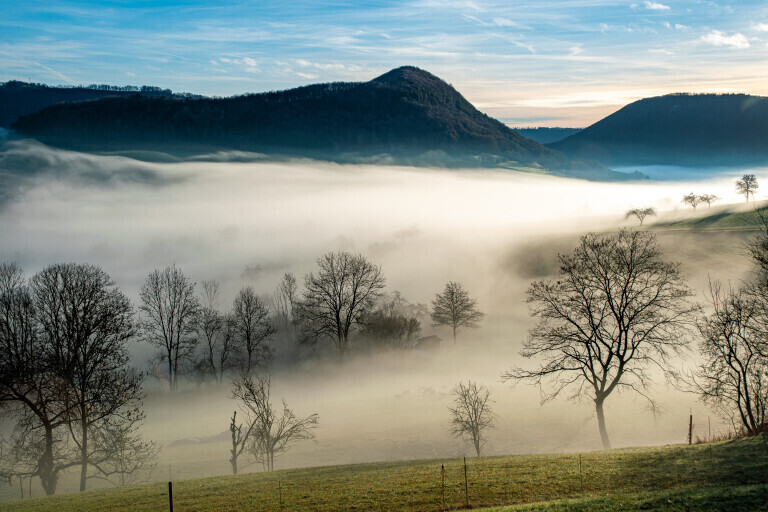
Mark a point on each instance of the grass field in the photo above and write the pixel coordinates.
(728, 475)
(727, 217)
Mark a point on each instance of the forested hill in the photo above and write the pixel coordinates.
(21, 98)
(681, 129)
(404, 116)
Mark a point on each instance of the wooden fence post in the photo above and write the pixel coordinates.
(690, 430)
(280, 494)
(170, 495)
(442, 484)
(466, 486)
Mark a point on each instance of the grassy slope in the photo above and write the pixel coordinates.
(727, 217)
(655, 477)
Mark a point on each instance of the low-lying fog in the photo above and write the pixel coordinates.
(249, 223)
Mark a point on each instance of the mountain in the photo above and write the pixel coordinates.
(546, 134)
(21, 98)
(406, 116)
(678, 129)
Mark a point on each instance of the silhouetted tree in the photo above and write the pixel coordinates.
(170, 318)
(253, 328)
(239, 439)
(270, 432)
(640, 213)
(455, 308)
(471, 413)
(337, 298)
(747, 185)
(733, 376)
(126, 457)
(86, 323)
(218, 334)
(616, 309)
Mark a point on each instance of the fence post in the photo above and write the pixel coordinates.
(442, 484)
(690, 430)
(280, 494)
(170, 495)
(466, 486)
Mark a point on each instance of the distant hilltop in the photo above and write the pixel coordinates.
(23, 98)
(405, 116)
(678, 129)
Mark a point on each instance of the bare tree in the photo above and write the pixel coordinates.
(640, 213)
(284, 301)
(734, 374)
(616, 309)
(471, 413)
(337, 298)
(252, 325)
(455, 308)
(691, 199)
(239, 440)
(170, 317)
(270, 433)
(218, 334)
(29, 388)
(126, 457)
(747, 185)
(86, 323)
(709, 199)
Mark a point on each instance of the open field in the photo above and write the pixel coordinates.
(656, 477)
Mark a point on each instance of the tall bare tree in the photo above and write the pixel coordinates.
(455, 308)
(271, 431)
(251, 320)
(170, 311)
(87, 323)
(733, 376)
(616, 309)
(640, 213)
(747, 185)
(471, 413)
(337, 298)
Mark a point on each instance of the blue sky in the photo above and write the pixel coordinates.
(526, 62)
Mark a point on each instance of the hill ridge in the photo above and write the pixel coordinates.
(404, 116)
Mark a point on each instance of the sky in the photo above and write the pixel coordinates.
(526, 62)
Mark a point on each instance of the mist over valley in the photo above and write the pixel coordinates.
(248, 223)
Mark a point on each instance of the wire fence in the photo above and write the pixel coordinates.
(460, 484)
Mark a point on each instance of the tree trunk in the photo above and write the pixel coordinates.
(601, 423)
(233, 461)
(454, 335)
(84, 451)
(48, 476)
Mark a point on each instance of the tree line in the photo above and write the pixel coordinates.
(66, 379)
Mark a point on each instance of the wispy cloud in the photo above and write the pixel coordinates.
(760, 27)
(655, 6)
(718, 38)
